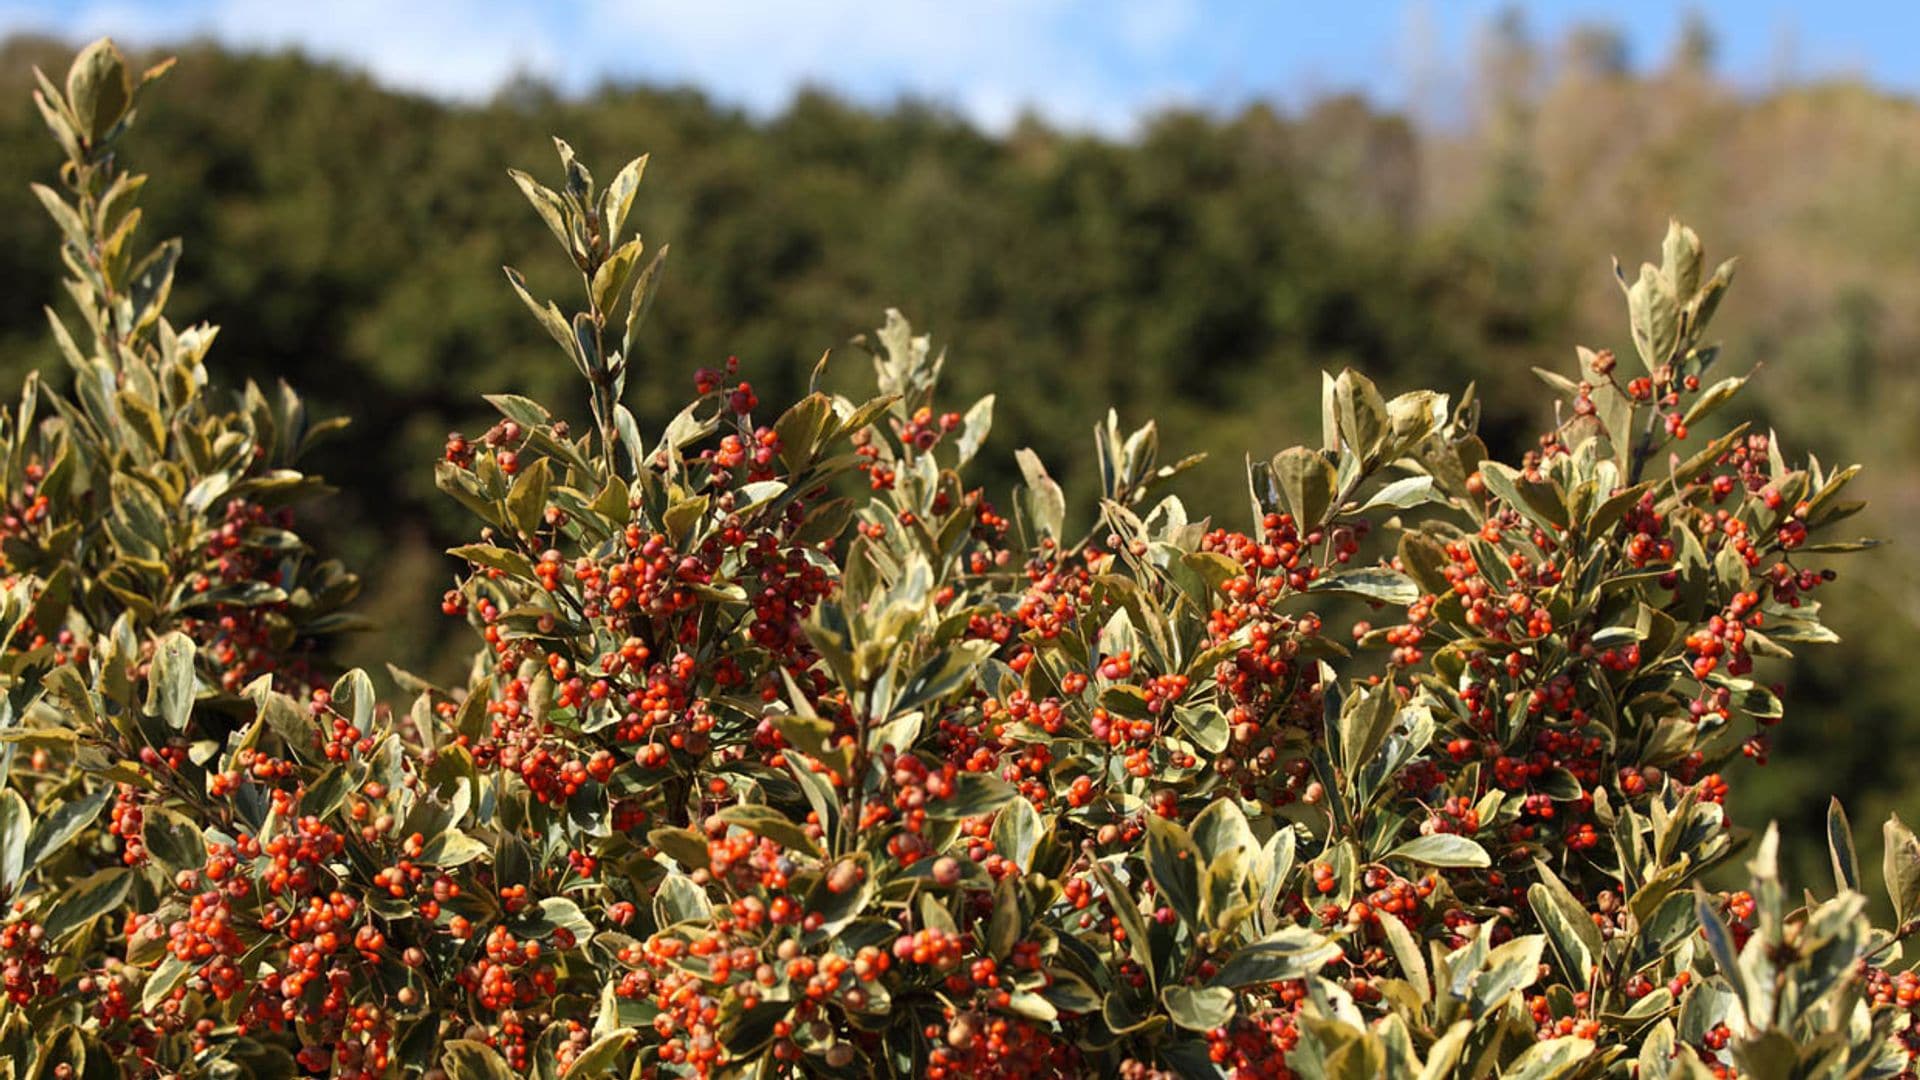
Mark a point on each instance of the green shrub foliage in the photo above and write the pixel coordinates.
(787, 752)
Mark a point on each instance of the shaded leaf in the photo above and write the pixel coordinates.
(86, 900)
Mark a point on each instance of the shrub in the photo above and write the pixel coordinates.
(787, 752)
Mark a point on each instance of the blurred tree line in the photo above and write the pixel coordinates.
(348, 238)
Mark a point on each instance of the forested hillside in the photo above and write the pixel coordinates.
(349, 239)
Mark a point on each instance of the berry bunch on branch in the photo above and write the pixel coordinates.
(789, 751)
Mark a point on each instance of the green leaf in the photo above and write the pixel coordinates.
(1901, 867)
(973, 429)
(1404, 494)
(171, 972)
(527, 501)
(611, 279)
(601, 1055)
(755, 1027)
(1446, 1050)
(1445, 850)
(1680, 260)
(799, 429)
(1426, 561)
(772, 824)
(1306, 480)
(1509, 967)
(684, 846)
(1223, 897)
(1032, 1006)
(1214, 568)
(1654, 313)
(1366, 718)
(1576, 941)
(1712, 398)
(1070, 993)
(1205, 725)
(173, 839)
(1846, 861)
(1406, 952)
(548, 315)
(1561, 385)
(1222, 827)
(1292, 953)
(452, 848)
(973, 794)
(1128, 912)
(16, 823)
(354, 698)
(326, 792)
(86, 900)
(1174, 863)
(170, 686)
(1412, 417)
(640, 302)
(1726, 956)
(1361, 414)
(65, 1054)
(1276, 863)
(1046, 504)
(1549, 1060)
(526, 412)
(467, 1059)
(558, 913)
(1017, 832)
(681, 517)
(1371, 582)
(549, 205)
(99, 89)
(942, 674)
(63, 214)
(680, 900)
(617, 201)
(1004, 926)
(837, 909)
(495, 558)
(1538, 501)
(1199, 1008)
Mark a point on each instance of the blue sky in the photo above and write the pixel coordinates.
(1079, 63)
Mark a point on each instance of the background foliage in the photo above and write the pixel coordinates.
(347, 238)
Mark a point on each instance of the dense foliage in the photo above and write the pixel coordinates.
(786, 750)
(346, 236)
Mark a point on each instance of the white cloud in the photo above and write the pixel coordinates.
(988, 58)
(1080, 63)
(438, 46)
(451, 48)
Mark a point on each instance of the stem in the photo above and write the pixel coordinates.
(1643, 448)
(677, 790)
(1905, 930)
(601, 374)
(857, 774)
